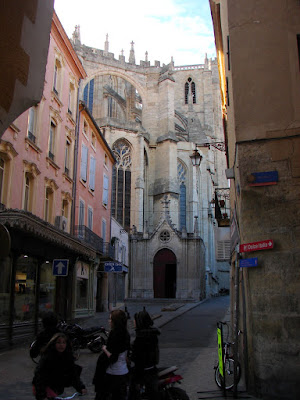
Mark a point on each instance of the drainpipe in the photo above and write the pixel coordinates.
(74, 188)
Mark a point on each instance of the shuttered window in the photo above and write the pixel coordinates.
(223, 250)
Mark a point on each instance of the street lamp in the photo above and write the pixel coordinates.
(196, 158)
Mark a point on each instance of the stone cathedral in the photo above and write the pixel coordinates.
(156, 118)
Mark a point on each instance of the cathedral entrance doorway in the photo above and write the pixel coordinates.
(164, 274)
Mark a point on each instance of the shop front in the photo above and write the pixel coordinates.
(41, 269)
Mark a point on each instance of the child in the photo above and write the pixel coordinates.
(111, 375)
(145, 355)
(56, 369)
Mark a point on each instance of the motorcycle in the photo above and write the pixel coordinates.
(167, 380)
(92, 338)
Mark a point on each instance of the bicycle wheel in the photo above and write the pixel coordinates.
(229, 374)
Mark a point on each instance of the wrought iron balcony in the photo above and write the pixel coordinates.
(108, 251)
(89, 237)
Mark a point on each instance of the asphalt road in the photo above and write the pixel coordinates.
(190, 342)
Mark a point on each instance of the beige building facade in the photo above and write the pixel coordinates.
(258, 47)
(154, 118)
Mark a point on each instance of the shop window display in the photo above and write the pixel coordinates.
(82, 285)
(47, 288)
(25, 284)
(5, 277)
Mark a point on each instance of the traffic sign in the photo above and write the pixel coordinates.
(249, 262)
(262, 245)
(60, 267)
(114, 267)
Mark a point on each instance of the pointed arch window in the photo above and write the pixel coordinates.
(190, 91)
(88, 95)
(181, 174)
(121, 184)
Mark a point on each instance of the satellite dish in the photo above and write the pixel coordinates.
(5, 241)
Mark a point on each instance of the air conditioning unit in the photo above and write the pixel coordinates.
(61, 222)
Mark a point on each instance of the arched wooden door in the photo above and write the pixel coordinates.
(164, 274)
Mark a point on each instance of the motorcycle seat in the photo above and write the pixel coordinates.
(166, 371)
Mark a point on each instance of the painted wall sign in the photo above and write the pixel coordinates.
(263, 178)
(249, 262)
(262, 245)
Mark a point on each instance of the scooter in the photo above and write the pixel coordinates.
(167, 380)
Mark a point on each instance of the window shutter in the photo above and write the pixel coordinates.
(223, 250)
(105, 190)
(92, 173)
(83, 166)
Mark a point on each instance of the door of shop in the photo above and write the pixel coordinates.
(164, 274)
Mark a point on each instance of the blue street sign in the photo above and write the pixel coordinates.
(114, 267)
(264, 178)
(249, 262)
(60, 267)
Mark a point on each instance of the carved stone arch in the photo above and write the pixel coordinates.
(121, 74)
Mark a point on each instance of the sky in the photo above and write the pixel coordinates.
(181, 29)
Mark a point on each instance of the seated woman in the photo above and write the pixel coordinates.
(56, 369)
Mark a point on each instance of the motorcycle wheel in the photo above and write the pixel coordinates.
(75, 349)
(95, 347)
(174, 393)
(229, 374)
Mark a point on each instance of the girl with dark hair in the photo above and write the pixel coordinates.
(145, 355)
(56, 369)
(111, 375)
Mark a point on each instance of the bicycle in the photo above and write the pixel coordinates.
(228, 365)
(72, 396)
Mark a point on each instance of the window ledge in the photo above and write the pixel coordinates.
(52, 163)
(70, 118)
(32, 145)
(67, 177)
(56, 98)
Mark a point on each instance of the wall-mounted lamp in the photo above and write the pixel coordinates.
(196, 158)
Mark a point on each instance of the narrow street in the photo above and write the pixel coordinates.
(188, 341)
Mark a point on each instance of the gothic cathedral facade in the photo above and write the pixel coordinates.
(155, 119)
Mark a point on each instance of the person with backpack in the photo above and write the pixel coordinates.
(145, 356)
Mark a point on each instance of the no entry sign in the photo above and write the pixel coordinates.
(263, 245)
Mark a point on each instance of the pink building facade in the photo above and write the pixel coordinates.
(93, 196)
(47, 260)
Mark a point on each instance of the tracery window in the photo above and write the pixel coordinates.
(190, 91)
(181, 174)
(121, 183)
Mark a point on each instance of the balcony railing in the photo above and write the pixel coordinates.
(108, 250)
(89, 237)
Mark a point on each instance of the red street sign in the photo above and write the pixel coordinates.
(263, 245)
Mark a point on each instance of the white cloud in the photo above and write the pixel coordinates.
(163, 28)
